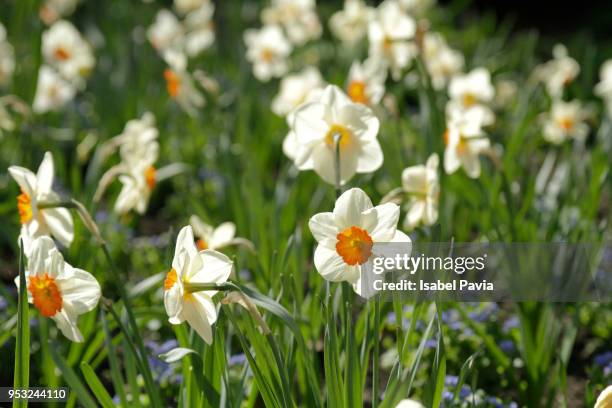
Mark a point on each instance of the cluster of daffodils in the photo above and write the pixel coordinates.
(565, 120)
(178, 40)
(68, 60)
(287, 23)
(58, 290)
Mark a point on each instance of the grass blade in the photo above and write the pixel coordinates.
(22, 348)
(96, 386)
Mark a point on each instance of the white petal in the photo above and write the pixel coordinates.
(222, 235)
(349, 207)
(370, 157)
(184, 243)
(44, 176)
(322, 226)
(40, 252)
(290, 145)
(60, 224)
(66, 322)
(414, 179)
(387, 216)
(81, 289)
(216, 268)
(25, 178)
(471, 165)
(451, 160)
(332, 267)
(415, 214)
(197, 311)
(173, 302)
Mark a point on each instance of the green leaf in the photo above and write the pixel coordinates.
(72, 379)
(22, 348)
(96, 386)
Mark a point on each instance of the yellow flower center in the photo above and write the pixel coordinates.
(171, 279)
(469, 100)
(461, 146)
(24, 206)
(357, 92)
(354, 245)
(45, 294)
(150, 177)
(267, 55)
(201, 244)
(173, 83)
(387, 43)
(566, 124)
(342, 131)
(61, 54)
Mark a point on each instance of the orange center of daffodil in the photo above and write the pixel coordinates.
(343, 132)
(357, 91)
(45, 294)
(173, 83)
(61, 54)
(354, 245)
(469, 100)
(24, 206)
(171, 279)
(461, 146)
(150, 177)
(267, 55)
(566, 123)
(387, 43)
(201, 244)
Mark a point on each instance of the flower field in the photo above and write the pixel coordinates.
(193, 194)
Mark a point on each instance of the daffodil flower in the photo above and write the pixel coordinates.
(36, 222)
(52, 91)
(366, 82)
(182, 89)
(298, 18)
(192, 267)
(605, 398)
(317, 124)
(566, 120)
(210, 237)
(409, 403)
(472, 91)
(422, 183)
(604, 88)
(557, 73)
(58, 290)
(295, 90)
(441, 61)
(465, 141)
(347, 235)
(138, 184)
(351, 23)
(267, 50)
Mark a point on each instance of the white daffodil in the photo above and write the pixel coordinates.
(58, 290)
(199, 29)
(422, 183)
(295, 90)
(441, 61)
(7, 57)
(267, 50)
(52, 10)
(187, 6)
(139, 179)
(605, 398)
(35, 188)
(350, 24)
(138, 139)
(182, 89)
(347, 235)
(408, 403)
(52, 91)
(465, 141)
(65, 49)
(472, 91)
(366, 82)
(390, 34)
(166, 31)
(192, 267)
(558, 72)
(297, 17)
(316, 125)
(566, 120)
(209, 237)
(604, 88)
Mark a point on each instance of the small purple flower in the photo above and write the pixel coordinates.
(507, 346)
(237, 359)
(603, 359)
(511, 323)
(3, 303)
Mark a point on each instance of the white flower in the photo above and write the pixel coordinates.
(199, 29)
(465, 141)
(558, 72)
(166, 30)
(408, 403)
(35, 188)
(297, 17)
(64, 48)
(441, 61)
(366, 82)
(566, 120)
(472, 91)
(317, 123)
(52, 91)
(350, 24)
(295, 90)
(267, 50)
(423, 185)
(53, 10)
(389, 35)
(58, 290)
(605, 398)
(604, 88)
(182, 89)
(210, 237)
(138, 139)
(187, 6)
(7, 57)
(139, 179)
(192, 267)
(346, 236)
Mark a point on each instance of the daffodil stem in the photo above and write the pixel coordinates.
(200, 287)
(376, 356)
(337, 137)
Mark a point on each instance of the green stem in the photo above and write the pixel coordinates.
(337, 137)
(376, 356)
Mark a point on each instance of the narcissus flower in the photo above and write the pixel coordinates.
(347, 235)
(36, 222)
(566, 120)
(182, 89)
(166, 31)
(441, 61)
(52, 91)
(187, 6)
(267, 50)
(316, 125)
(350, 24)
(58, 290)
(472, 91)
(199, 29)
(209, 237)
(52, 10)
(605, 398)
(557, 73)
(297, 17)
(138, 139)
(408, 403)
(192, 267)
(7, 57)
(416, 7)
(65, 49)
(295, 89)
(366, 82)
(138, 181)
(422, 183)
(390, 34)
(465, 141)
(604, 88)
